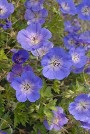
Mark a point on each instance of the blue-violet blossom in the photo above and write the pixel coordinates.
(80, 108)
(20, 57)
(6, 9)
(83, 10)
(33, 36)
(67, 7)
(27, 87)
(36, 16)
(56, 64)
(58, 120)
(79, 58)
(35, 5)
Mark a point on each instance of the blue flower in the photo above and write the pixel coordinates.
(77, 70)
(33, 36)
(80, 108)
(71, 40)
(36, 16)
(27, 68)
(56, 64)
(16, 71)
(27, 87)
(45, 48)
(35, 5)
(58, 120)
(78, 57)
(7, 25)
(85, 37)
(20, 57)
(67, 6)
(5, 9)
(72, 26)
(85, 125)
(1, 132)
(83, 10)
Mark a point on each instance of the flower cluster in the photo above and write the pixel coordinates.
(76, 41)
(22, 78)
(6, 9)
(35, 12)
(82, 9)
(57, 62)
(77, 44)
(80, 109)
(58, 120)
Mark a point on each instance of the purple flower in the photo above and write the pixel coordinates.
(35, 5)
(71, 40)
(67, 6)
(45, 48)
(77, 70)
(58, 121)
(85, 37)
(27, 68)
(1, 132)
(85, 125)
(83, 10)
(16, 71)
(56, 64)
(80, 108)
(33, 36)
(10, 76)
(36, 16)
(72, 26)
(78, 57)
(20, 57)
(5, 9)
(7, 25)
(27, 87)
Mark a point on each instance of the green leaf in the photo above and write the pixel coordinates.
(56, 86)
(20, 115)
(46, 92)
(2, 55)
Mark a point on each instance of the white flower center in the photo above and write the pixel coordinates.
(86, 10)
(2, 10)
(35, 39)
(37, 16)
(71, 41)
(26, 87)
(56, 121)
(65, 6)
(75, 57)
(83, 106)
(56, 63)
